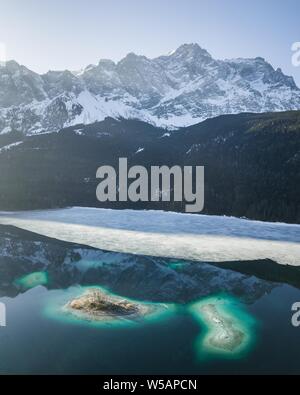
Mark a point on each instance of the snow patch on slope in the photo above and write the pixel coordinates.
(10, 146)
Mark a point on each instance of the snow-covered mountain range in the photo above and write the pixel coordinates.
(179, 89)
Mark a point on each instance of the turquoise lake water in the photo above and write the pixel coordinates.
(40, 339)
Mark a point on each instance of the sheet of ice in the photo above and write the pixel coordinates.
(157, 233)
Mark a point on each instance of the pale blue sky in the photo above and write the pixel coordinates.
(60, 34)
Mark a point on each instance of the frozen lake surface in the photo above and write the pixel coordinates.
(166, 234)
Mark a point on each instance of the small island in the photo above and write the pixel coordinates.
(224, 335)
(226, 328)
(97, 305)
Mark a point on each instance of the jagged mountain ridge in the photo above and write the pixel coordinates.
(180, 89)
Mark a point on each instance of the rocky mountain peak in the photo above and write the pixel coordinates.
(191, 50)
(174, 90)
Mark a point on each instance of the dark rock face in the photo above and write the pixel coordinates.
(251, 164)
